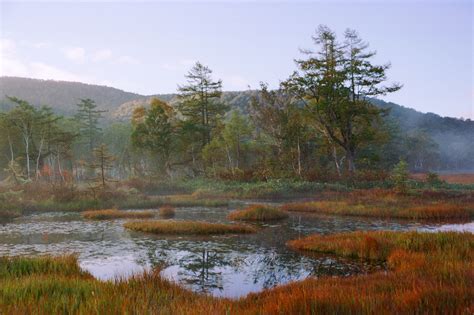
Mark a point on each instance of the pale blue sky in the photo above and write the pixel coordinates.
(147, 47)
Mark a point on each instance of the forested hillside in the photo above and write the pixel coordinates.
(429, 141)
(60, 95)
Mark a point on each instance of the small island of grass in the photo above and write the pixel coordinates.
(116, 214)
(173, 227)
(258, 213)
(167, 212)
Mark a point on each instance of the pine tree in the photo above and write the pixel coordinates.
(334, 84)
(102, 163)
(88, 117)
(199, 100)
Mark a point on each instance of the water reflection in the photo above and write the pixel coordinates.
(230, 265)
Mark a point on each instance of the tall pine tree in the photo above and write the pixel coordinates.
(199, 100)
(88, 117)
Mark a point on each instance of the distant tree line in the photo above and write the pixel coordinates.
(319, 124)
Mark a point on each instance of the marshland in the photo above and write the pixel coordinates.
(313, 193)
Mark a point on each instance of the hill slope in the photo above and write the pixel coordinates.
(454, 136)
(60, 95)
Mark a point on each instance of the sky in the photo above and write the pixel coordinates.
(147, 47)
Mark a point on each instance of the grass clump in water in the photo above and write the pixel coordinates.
(172, 227)
(167, 212)
(258, 213)
(116, 214)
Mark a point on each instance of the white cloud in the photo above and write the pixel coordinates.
(127, 60)
(11, 64)
(76, 54)
(102, 55)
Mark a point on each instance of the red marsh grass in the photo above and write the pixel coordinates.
(116, 214)
(429, 273)
(387, 204)
(173, 227)
(258, 213)
(167, 212)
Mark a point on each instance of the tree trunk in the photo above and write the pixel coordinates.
(350, 155)
(27, 151)
(38, 159)
(299, 158)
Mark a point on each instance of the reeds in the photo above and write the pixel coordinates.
(173, 227)
(108, 214)
(258, 213)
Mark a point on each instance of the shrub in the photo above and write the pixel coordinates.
(433, 179)
(400, 176)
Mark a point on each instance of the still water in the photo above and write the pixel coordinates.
(230, 265)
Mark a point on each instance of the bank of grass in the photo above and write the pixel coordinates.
(258, 213)
(271, 189)
(167, 211)
(429, 273)
(174, 227)
(81, 203)
(388, 204)
(193, 200)
(9, 213)
(107, 214)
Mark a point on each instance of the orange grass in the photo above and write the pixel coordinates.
(382, 203)
(116, 214)
(173, 227)
(429, 273)
(449, 178)
(167, 212)
(258, 213)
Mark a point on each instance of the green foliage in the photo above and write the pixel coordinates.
(334, 84)
(154, 129)
(400, 176)
(199, 100)
(232, 149)
(433, 179)
(88, 117)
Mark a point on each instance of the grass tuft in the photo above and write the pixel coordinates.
(167, 212)
(258, 213)
(108, 214)
(173, 227)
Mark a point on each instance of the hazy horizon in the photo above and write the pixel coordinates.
(147, 48)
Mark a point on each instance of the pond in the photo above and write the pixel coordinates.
(229, 266)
